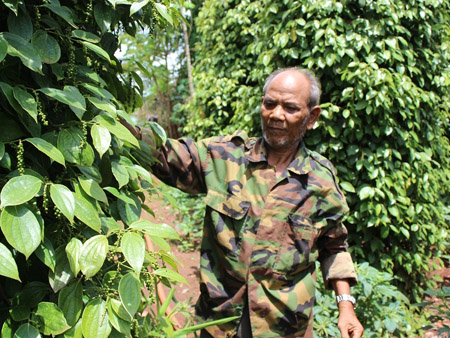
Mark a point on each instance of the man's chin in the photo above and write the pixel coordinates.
(277, 143)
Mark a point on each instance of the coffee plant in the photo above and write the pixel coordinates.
(74, 258)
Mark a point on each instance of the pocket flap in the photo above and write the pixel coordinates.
(227, 204)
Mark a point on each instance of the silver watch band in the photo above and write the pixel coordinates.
(347, 297)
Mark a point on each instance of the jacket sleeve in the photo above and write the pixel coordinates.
(179, 164)
(335, 260)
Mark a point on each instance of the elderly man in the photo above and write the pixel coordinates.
(273, 209)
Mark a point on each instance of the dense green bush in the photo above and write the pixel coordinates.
(384, 68)
(73, 258)
(382, 309)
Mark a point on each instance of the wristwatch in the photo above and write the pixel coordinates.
(347, 297)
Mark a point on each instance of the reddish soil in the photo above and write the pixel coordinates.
(190, 261)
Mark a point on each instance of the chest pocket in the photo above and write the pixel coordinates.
(297, 248)
(226, 221)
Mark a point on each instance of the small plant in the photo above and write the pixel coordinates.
(190, 210)
(439, 311)
(382, 309)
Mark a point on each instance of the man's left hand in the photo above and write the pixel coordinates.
(348, 324)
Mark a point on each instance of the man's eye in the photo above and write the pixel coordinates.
(291, 109)
(270, 105)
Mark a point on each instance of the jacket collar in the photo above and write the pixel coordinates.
(300, 165)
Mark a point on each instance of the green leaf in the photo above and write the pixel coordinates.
(62, 11)
(20, 189)
(21, 229)
(97, 50)
(101, 138)
(91, 172)
(46, 254)
(120, 195)
(133, 248)
(12, 5)
(26, 101)
(93, 189)
(62, 274)
(20, 24)
(86, 36)
(95, 323)
(48, 149)
(142, 172)
(75, 331)
(153, 229)
(52, 318)
(27, 331)
(70, 96)
(69, 143)
(64, 200)
(8, 266)
(159, 131)
(93, 255)
(130, 292)
(3, 48)
(117, 129)
(86, 213)
(347, 186)
(70, 300)
(2, 150)
(104, 16)
(130, 212)
(366, 192)
(109, 224)
(73, 251)
(103, 105)
(185, 331)
(162, 10)
(100, 92)
(19, 47)
(47, 47)
(116, 321)
(120, 173)
(163, 272)
(136, 6)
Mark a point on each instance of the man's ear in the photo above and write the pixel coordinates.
(313, 117)
(262, 99)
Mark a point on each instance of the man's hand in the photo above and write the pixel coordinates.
(348, 324)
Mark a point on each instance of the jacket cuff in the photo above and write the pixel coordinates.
(338, 266)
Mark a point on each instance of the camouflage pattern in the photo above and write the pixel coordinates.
(262, 233)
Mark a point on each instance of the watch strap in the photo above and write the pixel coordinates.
(345, 297)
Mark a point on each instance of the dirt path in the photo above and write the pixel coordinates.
(190, 261)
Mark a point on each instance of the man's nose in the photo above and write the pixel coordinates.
(278, 113)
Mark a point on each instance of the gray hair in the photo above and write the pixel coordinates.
(314, 94)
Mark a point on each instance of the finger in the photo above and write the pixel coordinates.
(344, 333)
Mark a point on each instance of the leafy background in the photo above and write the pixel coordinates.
(384, 69)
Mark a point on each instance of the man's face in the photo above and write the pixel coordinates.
(284, 111)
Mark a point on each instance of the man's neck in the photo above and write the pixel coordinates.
(280, 158)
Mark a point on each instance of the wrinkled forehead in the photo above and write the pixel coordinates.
(289, 85)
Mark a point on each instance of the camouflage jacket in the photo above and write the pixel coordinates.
(262, 234)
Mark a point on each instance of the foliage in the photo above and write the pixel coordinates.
(384, 66)
(73, 258)
(440, 311)
(381, 308)
(158, 62)
(190, 210)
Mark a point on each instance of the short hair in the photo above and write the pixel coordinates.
(314, 93)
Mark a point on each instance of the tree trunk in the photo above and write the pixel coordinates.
(188, 57)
